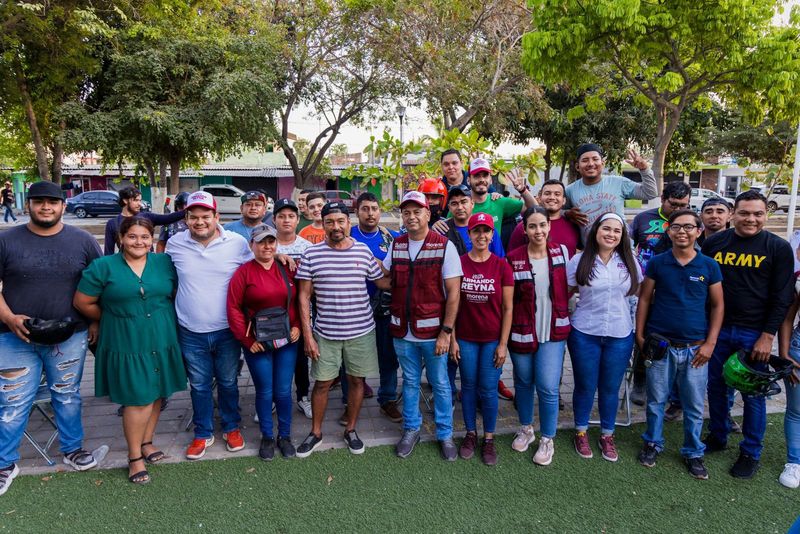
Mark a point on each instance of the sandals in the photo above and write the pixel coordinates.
(153, 457)
(141, 477)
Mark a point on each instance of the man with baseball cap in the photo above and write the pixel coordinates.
(254, 212)
(286, 215)
(40, 267)
(425, 273)
(460, 206)
(336, 270)
(130, 199)
(205, 258)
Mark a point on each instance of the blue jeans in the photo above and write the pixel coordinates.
(754, 424)
(9, 212)
(791, 421)
(676, 369)
(540, 371)
(478, 376)
(412, 355)
(387, 364)
(21, 366)
(209, 356)
(272, 372)
(598, 364)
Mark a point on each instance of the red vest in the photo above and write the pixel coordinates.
(418, 299)
(523, 325)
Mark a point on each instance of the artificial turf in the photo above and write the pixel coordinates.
(335, 491)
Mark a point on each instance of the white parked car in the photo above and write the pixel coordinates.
(779, 199)
(701, 195)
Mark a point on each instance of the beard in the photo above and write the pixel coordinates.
(44, 223)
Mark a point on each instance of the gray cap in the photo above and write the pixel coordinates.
(263, 231)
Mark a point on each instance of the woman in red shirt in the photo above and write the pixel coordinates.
(259, 284)
(481, 334)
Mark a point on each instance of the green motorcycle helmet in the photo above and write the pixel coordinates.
(740, 375)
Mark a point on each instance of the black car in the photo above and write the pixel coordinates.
(96, 203)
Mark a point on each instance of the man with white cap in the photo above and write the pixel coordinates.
(425, 272)
(205, 258)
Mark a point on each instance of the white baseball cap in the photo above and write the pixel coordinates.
(201, 199)
(478, 165)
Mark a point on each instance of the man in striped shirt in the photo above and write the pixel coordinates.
(336, 271)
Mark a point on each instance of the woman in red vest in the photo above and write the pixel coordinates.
(481, 334)
(600, 344)
(539, 330)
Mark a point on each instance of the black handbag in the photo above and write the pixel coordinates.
(272, 324)
(50, 331)
(654, 349)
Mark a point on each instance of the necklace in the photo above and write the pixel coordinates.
(366, 236)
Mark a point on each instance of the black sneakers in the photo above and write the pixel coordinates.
(309, 445)
(353, 442)
(696, 468)
(713, 444)
(647, 456)
(745, 466)
(266, 451)
(286, 447)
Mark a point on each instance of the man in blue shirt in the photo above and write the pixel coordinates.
(378, 239)
(460, 204)
(683, 283)
(254, 212)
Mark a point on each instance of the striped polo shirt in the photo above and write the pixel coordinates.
(339, 277)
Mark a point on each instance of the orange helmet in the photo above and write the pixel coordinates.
(434, 186)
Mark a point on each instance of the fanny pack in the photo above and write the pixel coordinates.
(271, 325)
(380, 301)
(654, 349)
(50, 331)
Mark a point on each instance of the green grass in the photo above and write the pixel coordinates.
(377, 492)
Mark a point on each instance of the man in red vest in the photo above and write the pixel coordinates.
(425, 273)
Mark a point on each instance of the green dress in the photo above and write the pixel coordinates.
(138, 358)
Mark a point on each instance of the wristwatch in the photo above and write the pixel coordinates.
(447, 329)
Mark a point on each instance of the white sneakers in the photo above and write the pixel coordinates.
(523, 438)
(790, 476)
(544, 455)
(304, 405)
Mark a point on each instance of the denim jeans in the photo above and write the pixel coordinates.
(676, 369)
(387, 364)
(540, 371)
(9, 212)
(412, 356)
(479, 376)
(791, 421)
(754, 424)
(598, 364)
(21, 366)
(272, 372)
(209, 356)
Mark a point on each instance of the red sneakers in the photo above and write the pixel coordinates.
(233, 440)
(582, 445)
(198, 447)
(608, 448)
(504, 392)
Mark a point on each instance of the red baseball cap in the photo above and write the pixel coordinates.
(480, 219)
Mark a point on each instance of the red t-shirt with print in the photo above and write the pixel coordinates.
(481, 310)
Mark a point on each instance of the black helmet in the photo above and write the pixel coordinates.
(181, 199)
(50, 331)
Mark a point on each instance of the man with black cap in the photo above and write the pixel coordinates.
(254, 212)
(130, 199)
(40, 266)
(336, 270)
(286, 215)
(595, 194)
(460, 205)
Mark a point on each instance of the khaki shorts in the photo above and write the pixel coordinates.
(360, 357)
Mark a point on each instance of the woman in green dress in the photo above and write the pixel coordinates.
(138, 360)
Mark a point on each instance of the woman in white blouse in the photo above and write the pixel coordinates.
(605, 275)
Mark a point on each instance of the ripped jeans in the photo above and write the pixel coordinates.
(21, 366)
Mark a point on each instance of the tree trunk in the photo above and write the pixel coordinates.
(548, 159)
(33, 124)
(563, 167)
(151, 173)
(174, 174)
(162, 172)
(58, 153)
(666, 125)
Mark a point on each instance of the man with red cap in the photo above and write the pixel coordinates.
(425, 273)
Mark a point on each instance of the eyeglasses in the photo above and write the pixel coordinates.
(688, 228)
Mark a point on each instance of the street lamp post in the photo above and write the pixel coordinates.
(401, 112)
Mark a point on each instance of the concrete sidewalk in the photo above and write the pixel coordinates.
(103, 426)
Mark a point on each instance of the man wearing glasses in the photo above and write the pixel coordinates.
(679, 283)
(648, 227)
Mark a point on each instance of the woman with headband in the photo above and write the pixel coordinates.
(600, 343)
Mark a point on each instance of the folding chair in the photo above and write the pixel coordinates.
(41, 400)
(627, 385)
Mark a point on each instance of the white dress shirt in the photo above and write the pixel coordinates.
(603, 308)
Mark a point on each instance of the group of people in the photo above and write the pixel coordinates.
(444, 295)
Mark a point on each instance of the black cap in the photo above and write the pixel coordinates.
(334, 207)
(589, 147)
(45, 189)
(254, 195)
(284, 203)
(458, 190)
(714, 201)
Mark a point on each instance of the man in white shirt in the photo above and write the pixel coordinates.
(205, 258)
